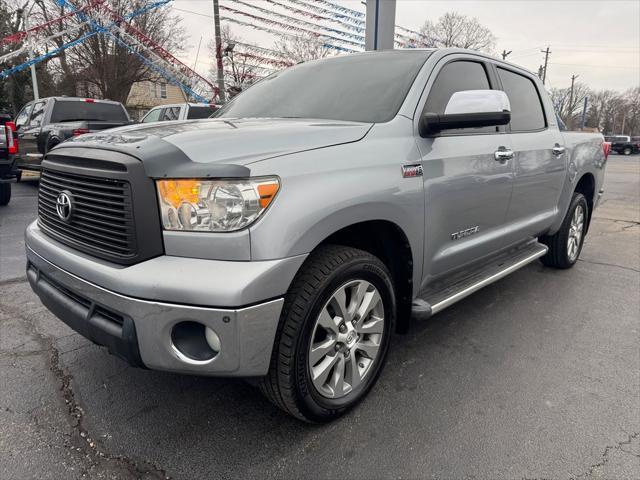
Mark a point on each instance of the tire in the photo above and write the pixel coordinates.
(559, 255)
(18, 176)
(627, 151)
(5, 193)
(290, 383)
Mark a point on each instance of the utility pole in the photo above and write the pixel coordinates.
(584, 113)
(505, 54)
(219, 65)
(546, 62)
(570, 112)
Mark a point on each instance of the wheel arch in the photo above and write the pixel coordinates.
(387, 241)
(587, 187)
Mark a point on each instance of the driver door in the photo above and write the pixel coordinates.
(467, 190)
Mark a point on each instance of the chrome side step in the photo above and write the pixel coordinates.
(445, 293)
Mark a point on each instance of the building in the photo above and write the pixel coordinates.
(148, 94)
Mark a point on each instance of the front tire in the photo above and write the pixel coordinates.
(627, 151)
(5, 193)
(565, 246)
(334, 334)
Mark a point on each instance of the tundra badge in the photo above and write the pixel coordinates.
(465, 233)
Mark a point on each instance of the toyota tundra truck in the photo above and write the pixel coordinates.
(288, 238)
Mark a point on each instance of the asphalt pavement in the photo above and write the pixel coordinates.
(535, 376)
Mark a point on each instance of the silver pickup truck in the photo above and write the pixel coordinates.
(288, 238)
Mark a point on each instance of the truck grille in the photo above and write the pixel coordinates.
(101, 222)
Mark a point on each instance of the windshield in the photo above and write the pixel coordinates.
(75, 110)
(360, 88)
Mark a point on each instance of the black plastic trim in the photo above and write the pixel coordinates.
(101, 325)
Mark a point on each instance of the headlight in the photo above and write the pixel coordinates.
(214, 205)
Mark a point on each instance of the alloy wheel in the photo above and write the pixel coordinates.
(346, 339)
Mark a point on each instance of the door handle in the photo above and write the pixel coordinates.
(503, 155)
(558, 150)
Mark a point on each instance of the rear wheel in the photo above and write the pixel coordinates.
(333, 335)
(627, 151)
(565, 246)
(5, 193)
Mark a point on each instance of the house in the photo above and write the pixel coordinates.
(148, 94)
(142, 97)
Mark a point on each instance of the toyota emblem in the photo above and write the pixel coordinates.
(64, 205)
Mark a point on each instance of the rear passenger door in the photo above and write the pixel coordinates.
(540, 159)
(467, 190)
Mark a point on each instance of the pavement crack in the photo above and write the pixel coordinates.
(605, 454)
(12, 281)
(609, 265)
(80, 438)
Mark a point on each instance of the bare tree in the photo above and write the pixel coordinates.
(15, 90)
(241, 68)
(302, 49)
(103, 61)
(631, 105)
(456, 30)
(569, 107)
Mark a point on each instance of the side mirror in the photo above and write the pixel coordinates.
(469, 109)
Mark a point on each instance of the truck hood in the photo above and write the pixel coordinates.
(202, 147)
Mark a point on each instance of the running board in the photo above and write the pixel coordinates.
(447, 292)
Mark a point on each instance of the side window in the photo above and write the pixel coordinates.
(455, 77)
(37, 114)
(200, 112)
(152, 116)
(526, 108)
(23, 116)
(170, 113)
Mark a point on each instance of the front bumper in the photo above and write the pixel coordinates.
(139, 329)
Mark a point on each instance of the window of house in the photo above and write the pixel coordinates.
(161, 90)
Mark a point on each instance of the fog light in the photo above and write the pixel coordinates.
(194, 342)
(212, 339)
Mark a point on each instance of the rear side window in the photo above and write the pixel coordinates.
(200, 112)
(170, 113)
(526, 108)
(455, 77)
(37, 114)
(78, 110)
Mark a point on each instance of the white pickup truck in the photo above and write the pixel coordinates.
(179, 111)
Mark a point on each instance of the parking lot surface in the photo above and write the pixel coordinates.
(535, 376)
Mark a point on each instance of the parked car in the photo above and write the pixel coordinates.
(289, 237)
(624, 144)
(43, 124)
(179, 111)
(8, 150)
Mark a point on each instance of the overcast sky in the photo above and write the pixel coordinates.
(597, 40)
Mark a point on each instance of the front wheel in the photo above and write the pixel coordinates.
(627, 151)
(565, 246)
(5, 193)
(333, 336)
